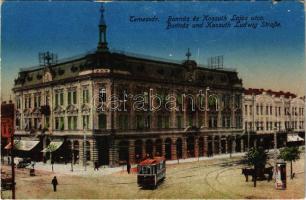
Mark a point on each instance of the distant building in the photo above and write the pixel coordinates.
(267, 111)
(7, 123)
(61, 105)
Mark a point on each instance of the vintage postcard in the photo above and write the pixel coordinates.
(152, 100)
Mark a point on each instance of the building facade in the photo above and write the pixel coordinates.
(111, 107)
(266, 112)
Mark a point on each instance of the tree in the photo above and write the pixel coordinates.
(290, 154)
(256, 157)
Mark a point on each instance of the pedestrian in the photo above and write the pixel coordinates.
(54, 183)
(96, 166)
(128, 167)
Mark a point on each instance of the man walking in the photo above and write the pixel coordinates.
(96, 166)
(54, 183)
(128, 167)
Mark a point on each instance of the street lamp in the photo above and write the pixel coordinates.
(12, 162)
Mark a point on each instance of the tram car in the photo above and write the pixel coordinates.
(151, 172)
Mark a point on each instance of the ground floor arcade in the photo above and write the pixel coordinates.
(120, 149)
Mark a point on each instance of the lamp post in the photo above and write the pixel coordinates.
(12, 163)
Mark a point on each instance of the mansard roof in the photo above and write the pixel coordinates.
(257, 91)
(126, 65)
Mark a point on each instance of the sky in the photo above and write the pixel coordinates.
(264, 57)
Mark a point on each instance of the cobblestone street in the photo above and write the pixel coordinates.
(219, 178)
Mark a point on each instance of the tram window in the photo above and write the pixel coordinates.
(145, 170)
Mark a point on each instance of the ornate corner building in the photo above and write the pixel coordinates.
(65, 109)
(266, 112)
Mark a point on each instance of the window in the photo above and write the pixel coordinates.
(139, 122)
(59, 98)
(85, 95)
(267, 110)
(179, 101)
(251, 110)
(85, 121)
(123, 122)
(27, 102)
(213, 122)
(47, 98)
(159, 121)
(72, 97)
(47, 124)
(179, 121)
(238, 122)
(59, 123)
(102, 121)
(18, 103)
(72, 122)
(37, 101)
(147, 121)
(246, 109)
(167, 122)
(190, 122)
(226, 122)
(102, 95)
(257, 109)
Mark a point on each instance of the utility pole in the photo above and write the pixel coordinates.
(12, 164)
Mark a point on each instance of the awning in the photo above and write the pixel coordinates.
(25, 145)
(53, 146)
(294, 138)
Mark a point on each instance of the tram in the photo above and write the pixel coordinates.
(151, 172)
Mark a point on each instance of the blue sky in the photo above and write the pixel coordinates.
(264, 58)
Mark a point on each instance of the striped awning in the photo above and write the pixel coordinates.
(53, 146)
(25, 145)
(294, 138)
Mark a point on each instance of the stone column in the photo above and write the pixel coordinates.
(205, 147)
(94, 151)
(184, 149)
(163, 147)
(213, 145)
(220, 145)
(132, 151)
(81, 152)
(226, 146)
(113, 153)
(242, 145)
(144, 153)
(234, 145)
(173, 149)
(196, 147)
